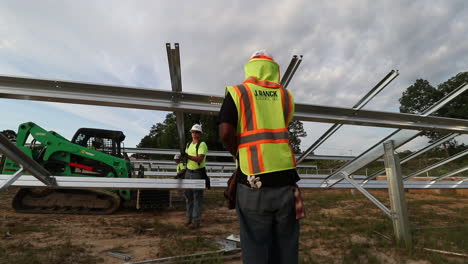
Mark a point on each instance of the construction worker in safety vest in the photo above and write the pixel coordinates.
(181, 167)
(253, 126)
(195, 153)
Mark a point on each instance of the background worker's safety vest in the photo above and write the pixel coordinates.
(264, 111)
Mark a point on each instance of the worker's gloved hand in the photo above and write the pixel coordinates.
(183, 156)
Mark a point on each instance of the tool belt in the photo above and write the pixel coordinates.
(273, 179)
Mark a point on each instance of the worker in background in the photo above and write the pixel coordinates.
(181, 167)
(195, 151)
(253, 126)
(96, 143)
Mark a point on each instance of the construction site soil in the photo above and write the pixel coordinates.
(341, 226)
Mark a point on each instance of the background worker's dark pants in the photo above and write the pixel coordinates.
(193, 198)
(269, 230)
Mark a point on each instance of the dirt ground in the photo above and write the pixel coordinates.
(340, 227)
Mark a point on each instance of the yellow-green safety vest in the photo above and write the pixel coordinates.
(264, 110)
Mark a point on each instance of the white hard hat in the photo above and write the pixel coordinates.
(262, 53)
(177, 156)
(196, 127)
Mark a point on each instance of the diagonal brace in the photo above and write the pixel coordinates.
(11, 180)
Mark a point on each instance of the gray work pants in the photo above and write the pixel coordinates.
(269, 231)
(193, 198)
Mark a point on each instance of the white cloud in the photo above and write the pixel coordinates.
(348, 46)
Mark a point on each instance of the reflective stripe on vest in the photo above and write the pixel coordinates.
(257, 136)
(262, 83)
(252, 139)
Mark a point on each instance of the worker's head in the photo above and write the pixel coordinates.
(177, 158)
(196, 131)
(262, 66)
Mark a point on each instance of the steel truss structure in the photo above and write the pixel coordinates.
(408, 127)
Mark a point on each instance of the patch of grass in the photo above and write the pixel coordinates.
(449, 239)
(359, 253)
(19, 228)
(166, 230)
(213, 198)
(23, 252)
(420, 202)
(154, 227)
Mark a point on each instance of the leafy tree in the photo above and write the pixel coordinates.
(164, 135)
(296, 131)
(418, 97)
(422, 95)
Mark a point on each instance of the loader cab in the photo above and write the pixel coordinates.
(106, 141)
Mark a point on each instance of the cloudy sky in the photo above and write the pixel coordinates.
(348, 46)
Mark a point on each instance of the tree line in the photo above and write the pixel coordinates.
(164, 135)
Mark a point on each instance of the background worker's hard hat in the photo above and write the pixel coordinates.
(177, 156)
(261, 54)
(196, 127)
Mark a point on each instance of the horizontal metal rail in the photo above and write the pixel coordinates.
(215, 153)
(438, 164)
(450, 174)
(134, 183)
(228, 174)
(118, 96)
(208, 163)
(399, 137)
(66, 182)
(415, 154)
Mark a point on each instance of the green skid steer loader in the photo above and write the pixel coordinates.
(90, 153)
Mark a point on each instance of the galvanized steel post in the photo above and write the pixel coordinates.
(397, 196)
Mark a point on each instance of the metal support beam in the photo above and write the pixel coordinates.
(368, 195)
(105, 95)
(438, 164)
(397, 196)
(450, 174)
(11, 180)
(414, 155)
(215, 153)
(359, 105)
(17, 155)
(288, 71)
(218, 180)
(293, 71)
(69, 182)
(399, 137)
(173, 57)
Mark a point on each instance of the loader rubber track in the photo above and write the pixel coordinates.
(65, 201)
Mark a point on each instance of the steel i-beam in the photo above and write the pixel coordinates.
(296, 66)
(118, 96)
(173, 57)
(399, 137)
(396, 193)
(288, 70)
(359, 105)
